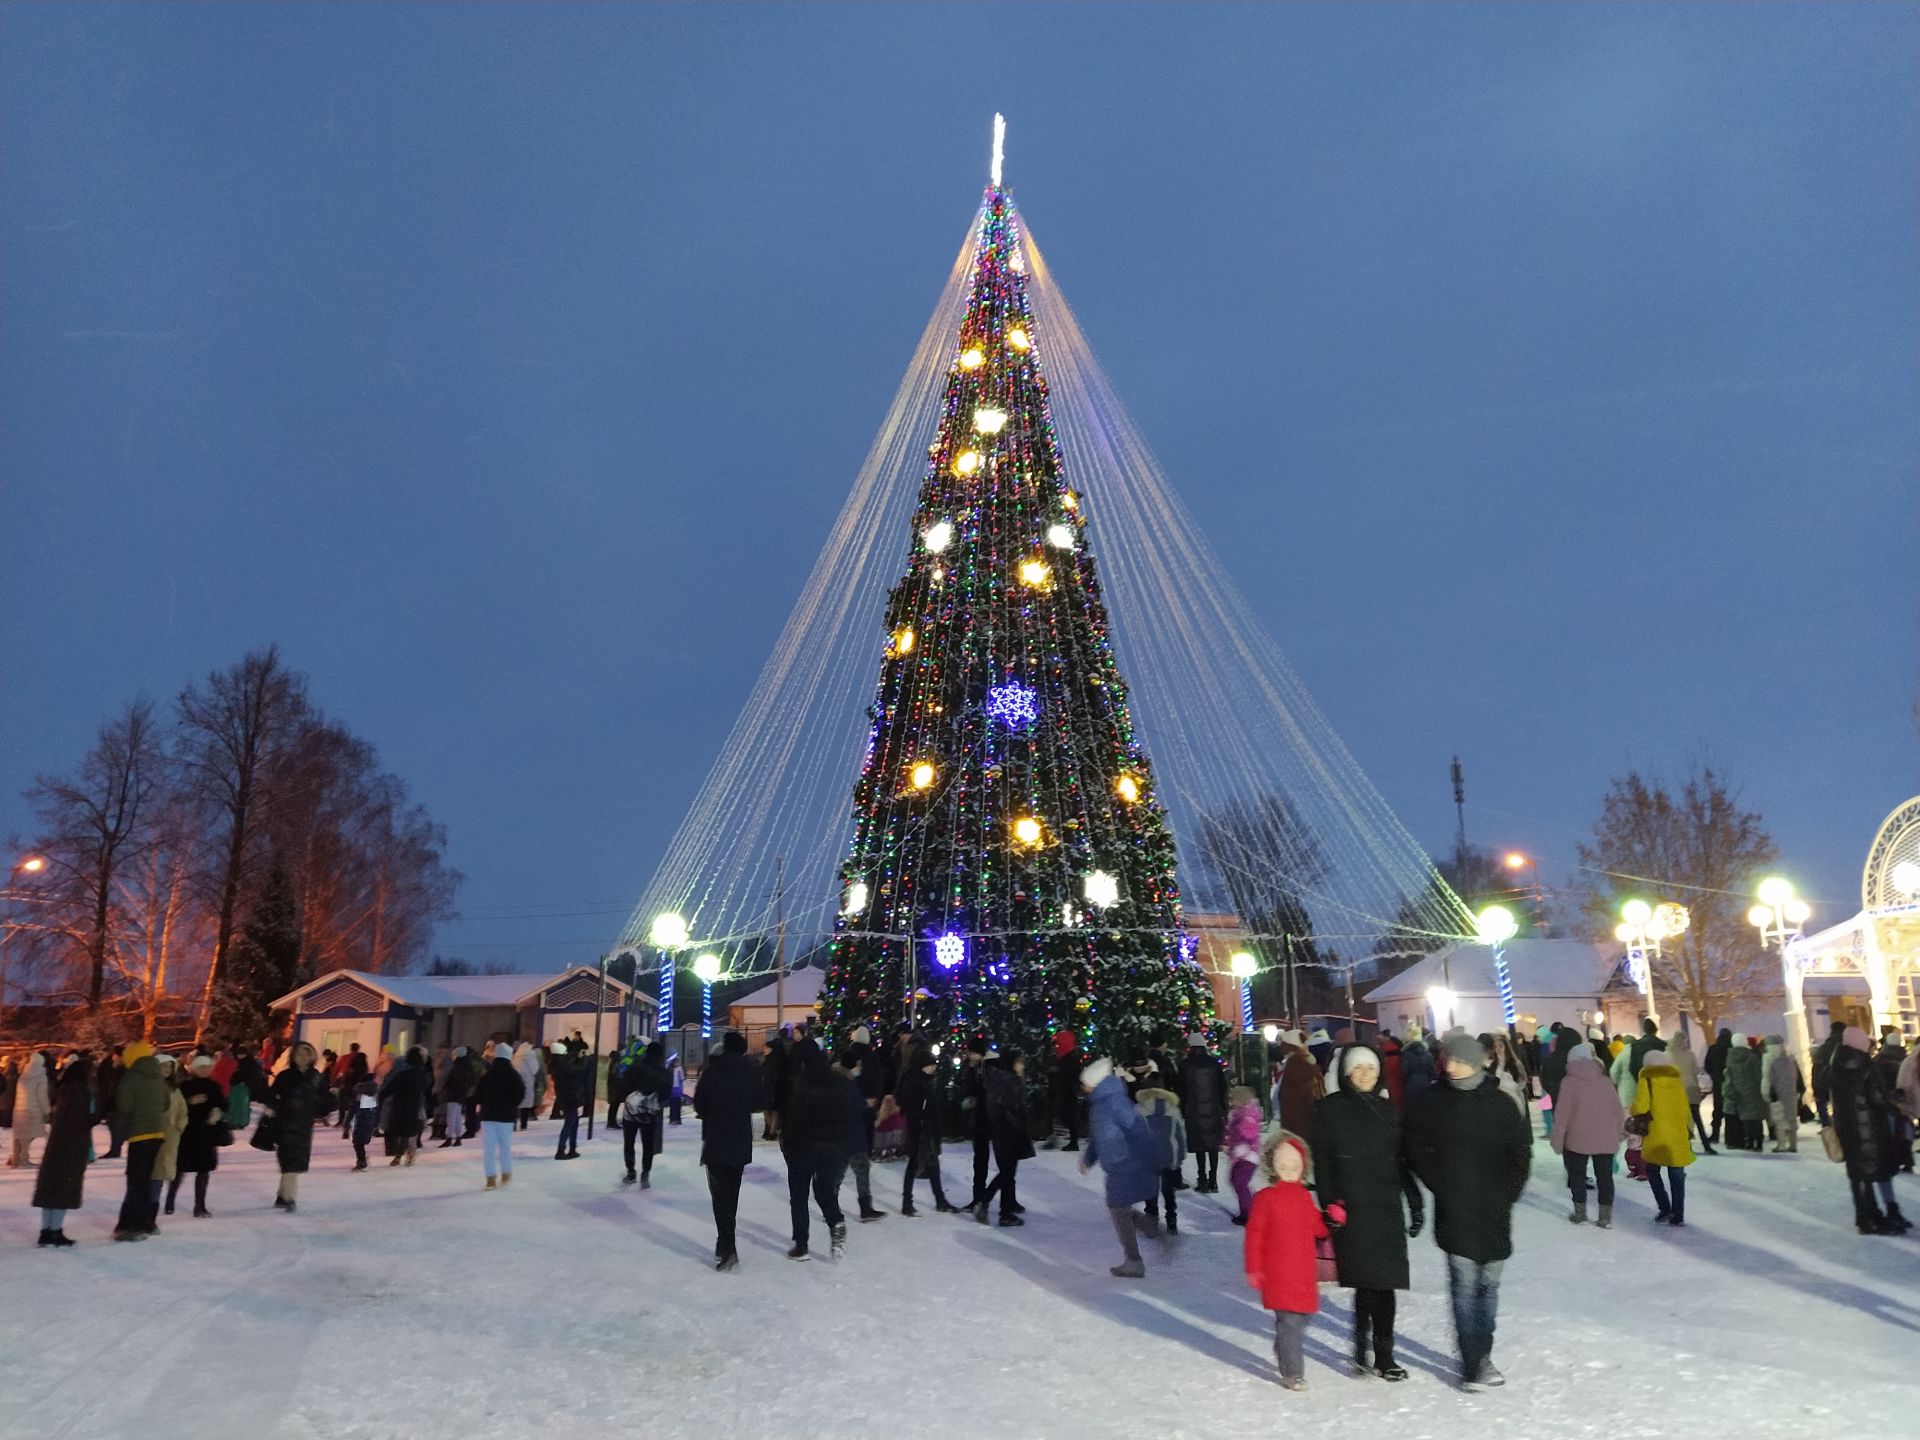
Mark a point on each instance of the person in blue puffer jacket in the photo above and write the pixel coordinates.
(1119, 1142)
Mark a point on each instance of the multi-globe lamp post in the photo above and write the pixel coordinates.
(1243, 968)
(1779, 917)
(667, 934)
(1643, 929)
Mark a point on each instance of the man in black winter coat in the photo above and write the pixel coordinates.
(726, 1100)
(454, 1093)
(572, 1072)
(973, 1100)
(1822, 1065)
(1202, 1090)
(1469, 1144)
(813, 1140)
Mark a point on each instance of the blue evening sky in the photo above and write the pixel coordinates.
(1546, 376)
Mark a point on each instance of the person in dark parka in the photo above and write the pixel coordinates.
(726, 1100)
(1862, 1110)
(1470, 1146)
(1203, 1110)
(295, 1097)
(924, 1111)
(1822, 1067)
(813, 1141)
(63, 1163)
(405, 1096)
(646, 1092)
(1361, 1168)
(200, 1142)
(1715, 1066)
(1416, 1071)
(1006, 1100)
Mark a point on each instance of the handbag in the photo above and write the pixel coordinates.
(1326, 1265)
(222, 1132)
(1830, 1138)
(266, 1135)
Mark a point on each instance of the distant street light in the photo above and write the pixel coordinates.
(1779, 917)
(25, 865)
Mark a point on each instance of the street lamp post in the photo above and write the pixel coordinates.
(1779, 917)
(667, 934)
(1642, 928)
(26, 865)
(1244, 968)
(707, 969)
(1518, 860)
(1495, 926)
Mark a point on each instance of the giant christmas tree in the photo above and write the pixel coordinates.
(1011, 871)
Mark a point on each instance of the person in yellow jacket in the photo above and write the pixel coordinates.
(1660, 1096)
(140, 1105)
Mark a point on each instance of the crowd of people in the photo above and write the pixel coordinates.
(1360, 1135)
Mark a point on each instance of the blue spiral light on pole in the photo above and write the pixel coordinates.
(1495, 926)
(707, 969)
(1244, 968)
(669, 933)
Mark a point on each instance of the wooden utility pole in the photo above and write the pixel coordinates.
(779, 944)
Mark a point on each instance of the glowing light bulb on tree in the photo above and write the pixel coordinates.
(1027, 831)
(988, 421)
(973, 358)
(1061, 537)
(1127, 788)
(1017, 339)
(1102, 889)
(967, 462)
(937, 536)
(921, 777)
(1035, 573)
(856, 900)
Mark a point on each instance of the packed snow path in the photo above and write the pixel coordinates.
(412, 1304)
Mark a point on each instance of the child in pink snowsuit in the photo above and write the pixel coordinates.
(1243, 1146)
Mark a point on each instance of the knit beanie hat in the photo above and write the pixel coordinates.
(1856, 1039)
(1582, 1049)
(1358, 1055)
(1196, 1041)
(1096, 1072)
(1463, 1048)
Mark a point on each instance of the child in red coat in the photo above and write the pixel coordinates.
(1281, 1231)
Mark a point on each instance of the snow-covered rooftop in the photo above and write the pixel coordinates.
(1544, 968)
(802, 990)
(440, 992)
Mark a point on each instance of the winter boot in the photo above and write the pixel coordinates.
(1390, 1371)
(1579, 1215)
(982, 1214)
(798, 1252)
(870, 1213)
(55, 1238)
(1129, 1270)
(1070, 1147)
(407, 1159)
(492, 1183)
(1606, 1217)
(1899, 1223)
(393, 1162)
(628, 1179)
(646, 1182)
(504, 1178)
(838, 1236)
(727, 1262)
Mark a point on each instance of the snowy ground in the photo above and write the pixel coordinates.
(412, 1304)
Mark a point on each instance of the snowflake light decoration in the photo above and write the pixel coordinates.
(1013, 705)
(949, 949)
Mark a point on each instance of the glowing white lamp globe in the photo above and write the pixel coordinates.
(1624, 933)
(1775, 891)
(1495, 925)
(1760, 916)
(1243, 966)
(1797, 912)
(1270, 1032)
(669, 931)
(1060, 537)
(1636, 912)
(706, 968)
